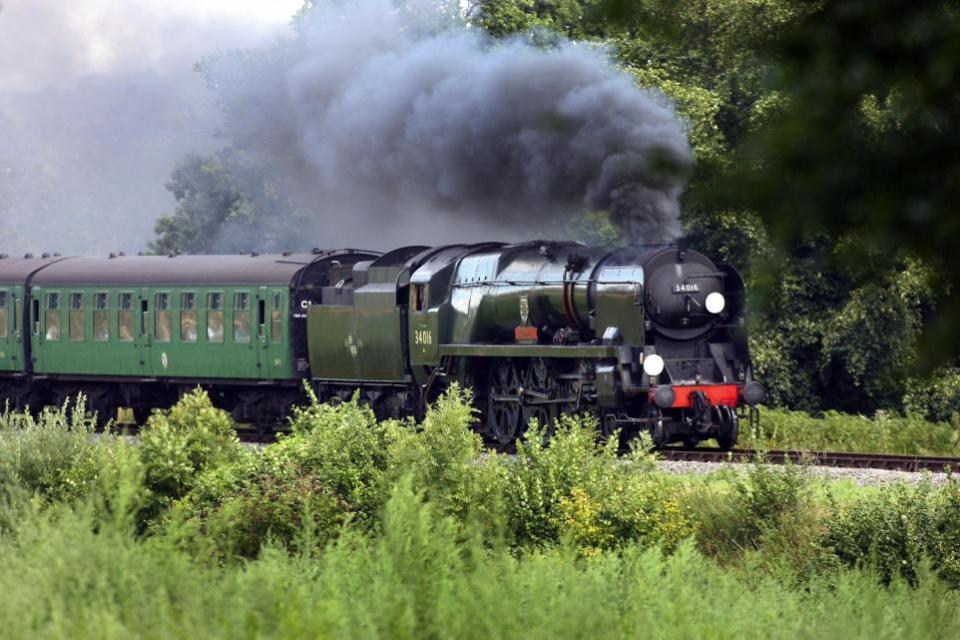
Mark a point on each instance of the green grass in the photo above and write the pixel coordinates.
(781, 429)
(353, 528)
(417, 576)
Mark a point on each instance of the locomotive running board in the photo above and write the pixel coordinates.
(528, 351)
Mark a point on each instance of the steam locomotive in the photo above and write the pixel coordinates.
(647, 338)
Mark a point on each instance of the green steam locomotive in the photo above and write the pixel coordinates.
(647, 338)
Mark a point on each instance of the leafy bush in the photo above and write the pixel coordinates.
(768, 516)
(179, 444)
(936, 397)
(53, 455)
(898, 529)
(446, 460)
(578, 489)
(330, 469)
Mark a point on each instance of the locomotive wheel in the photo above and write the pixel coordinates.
(658, 431)
(728, 427)
(539, 385)
(504, 399)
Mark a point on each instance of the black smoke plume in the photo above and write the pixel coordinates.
(390, 120)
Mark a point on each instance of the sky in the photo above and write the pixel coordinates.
(56, 42)
(98, 101)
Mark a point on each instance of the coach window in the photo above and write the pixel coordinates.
(162, 320)
(276, 319)
(241, 318)
(78, 324)
(51, 317)
(126, 318)
(188, 317)
(16, 315)
(215, 318)
(101, 317)
(4, 316)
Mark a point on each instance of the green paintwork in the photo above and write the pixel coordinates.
(11, 334)
(619, 303)
(347, 342)
(147, 355)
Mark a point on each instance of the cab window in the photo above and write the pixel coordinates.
(101, 317)
(78, 323)
(51, 317)
(241, 318)
(188, 318)
(215, 318)
(276, 319)
(126, 318)
(162, 323)
(4, 316)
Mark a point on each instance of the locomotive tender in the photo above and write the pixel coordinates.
(646, 337)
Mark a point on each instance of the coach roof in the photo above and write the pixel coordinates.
(175, 270)
(17, 270)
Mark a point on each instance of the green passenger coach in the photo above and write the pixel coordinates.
(137, 331)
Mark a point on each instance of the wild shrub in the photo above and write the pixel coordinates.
(899, 528)
(446, 460)
(345, 448)
(419, 575)
(329, 470)
(768, 509)
(179, 444)
(541, 476)
(53, 454)
(577, 488)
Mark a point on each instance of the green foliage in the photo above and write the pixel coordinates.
(867, 147)
(65, 575)
(445, 459)
(736, 518)
(179, 444)
(833, 431)
(235, 509)
(899, 530)
(331, 469)
(52, 455)
(936, 396)
(578, 489)
(224, 200)
(358, 528)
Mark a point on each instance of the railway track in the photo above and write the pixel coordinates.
(912, 463)
(819, 458)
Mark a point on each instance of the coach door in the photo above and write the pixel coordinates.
(11, 334)
(144, 332)
(270, 317)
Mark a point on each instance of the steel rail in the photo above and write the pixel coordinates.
(818, 458)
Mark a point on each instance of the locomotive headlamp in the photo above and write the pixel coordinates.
(715, 302)
(653, 365)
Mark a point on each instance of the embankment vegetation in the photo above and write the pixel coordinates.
(349, 527)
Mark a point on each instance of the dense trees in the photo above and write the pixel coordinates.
(825, 146)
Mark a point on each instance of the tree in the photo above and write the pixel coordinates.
(869, 148)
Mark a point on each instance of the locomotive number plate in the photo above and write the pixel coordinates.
(423, 337)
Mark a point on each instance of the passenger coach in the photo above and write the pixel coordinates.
(137, 331)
